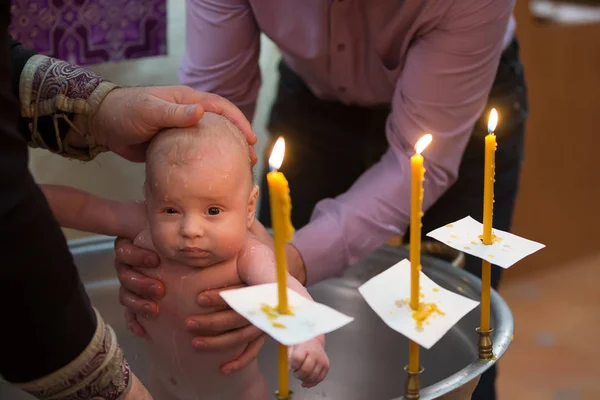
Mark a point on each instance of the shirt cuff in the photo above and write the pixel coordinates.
(322, 248)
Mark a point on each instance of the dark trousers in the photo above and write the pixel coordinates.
(331, 144)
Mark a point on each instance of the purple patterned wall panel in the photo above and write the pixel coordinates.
(91, 31)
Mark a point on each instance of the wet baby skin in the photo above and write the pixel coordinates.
(200, 202)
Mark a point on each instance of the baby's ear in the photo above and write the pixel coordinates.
(252, 200)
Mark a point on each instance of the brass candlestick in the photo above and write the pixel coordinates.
(485, 345)
(412, 386)
(279, 397)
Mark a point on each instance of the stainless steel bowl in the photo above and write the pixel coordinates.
(367, 358)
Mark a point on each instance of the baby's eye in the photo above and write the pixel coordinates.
(170, 211)
(213, 211)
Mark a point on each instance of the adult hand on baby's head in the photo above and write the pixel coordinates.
(129, 117)
(137, 290)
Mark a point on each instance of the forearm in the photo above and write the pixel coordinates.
(345, 229)
(76, 209)
(55, 111)
(222, 51)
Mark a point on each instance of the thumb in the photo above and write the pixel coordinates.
(172, 115)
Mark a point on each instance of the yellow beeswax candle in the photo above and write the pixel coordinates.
(413, 357)
(417, 174)
(284, 378)
(488, 207)
(281, 210)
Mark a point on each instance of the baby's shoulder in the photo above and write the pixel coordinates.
(254, 252)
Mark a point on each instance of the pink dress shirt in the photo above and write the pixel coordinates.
(433, 60)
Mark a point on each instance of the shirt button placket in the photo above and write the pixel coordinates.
(338, 48)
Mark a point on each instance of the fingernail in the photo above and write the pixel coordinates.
(191, 324)
(203, 300)
(148, 308)
(198, 343)
(155, 290)
(151, 261)
(226, 371)
(191, 110)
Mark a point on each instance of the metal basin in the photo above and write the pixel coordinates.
(367, 358)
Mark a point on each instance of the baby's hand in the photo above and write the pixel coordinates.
(309, 362)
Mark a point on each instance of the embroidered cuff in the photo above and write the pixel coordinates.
(51, 87)
(100, 372)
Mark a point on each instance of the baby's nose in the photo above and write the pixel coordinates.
(192, 227)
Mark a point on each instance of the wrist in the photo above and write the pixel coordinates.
(82, 133)
(296, 266)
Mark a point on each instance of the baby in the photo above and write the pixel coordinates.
(200, 202)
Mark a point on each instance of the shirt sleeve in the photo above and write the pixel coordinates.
(222, 50)
(442, 90)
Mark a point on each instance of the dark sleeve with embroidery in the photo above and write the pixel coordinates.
(51, 93)
(20, 55)
(41, 295)
(52, 342)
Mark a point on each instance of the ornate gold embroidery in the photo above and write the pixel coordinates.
(100, 372)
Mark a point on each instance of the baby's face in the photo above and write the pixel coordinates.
(200, 210)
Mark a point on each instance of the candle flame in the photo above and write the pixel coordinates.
(493, 120)
(423, 143)
(277, 153)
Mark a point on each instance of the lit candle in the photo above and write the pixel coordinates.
(418, 173)
(281, 209)
(488, 207)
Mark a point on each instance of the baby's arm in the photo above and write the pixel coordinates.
(76, 209)
(256, 266)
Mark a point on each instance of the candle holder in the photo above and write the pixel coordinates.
(279, 397)
(412, 387)
(485, 345)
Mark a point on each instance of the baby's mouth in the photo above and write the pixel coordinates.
(195, 251)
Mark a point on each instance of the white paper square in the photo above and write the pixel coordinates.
(310, 318)
(387, 293)
(507, 249)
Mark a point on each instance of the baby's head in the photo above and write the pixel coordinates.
(200, 191)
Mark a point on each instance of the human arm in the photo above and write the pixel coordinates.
(49, 321)
(442, 89)
(256, 266)
(222, 49)
(77, 114)
(77, 209)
